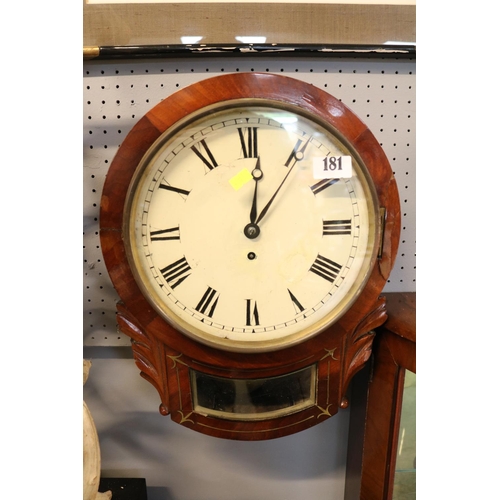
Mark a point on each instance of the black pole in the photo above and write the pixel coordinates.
(393, 51)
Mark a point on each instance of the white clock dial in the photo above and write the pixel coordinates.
(235, 241)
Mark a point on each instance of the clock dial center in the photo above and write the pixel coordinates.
(251, 231)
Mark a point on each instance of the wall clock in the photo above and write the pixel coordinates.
(249, 223)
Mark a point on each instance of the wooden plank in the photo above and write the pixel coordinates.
(166, 23)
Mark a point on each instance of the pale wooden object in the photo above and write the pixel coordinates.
(165, 23)
(91, 451)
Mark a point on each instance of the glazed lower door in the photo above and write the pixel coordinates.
(406, 461)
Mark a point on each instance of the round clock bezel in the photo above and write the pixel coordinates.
(369, 188)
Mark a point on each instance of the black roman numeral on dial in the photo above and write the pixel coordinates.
(325, 268)
(323, 184)
(298, 306)
(176, 272)
(248, 146)
(332, 227)
(252, 313)
(206, 157)
(172, 233)
(168, 187)
(208, 302)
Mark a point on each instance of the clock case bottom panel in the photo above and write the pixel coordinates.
(334, 365)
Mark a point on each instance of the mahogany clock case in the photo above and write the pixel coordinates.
(168, 358)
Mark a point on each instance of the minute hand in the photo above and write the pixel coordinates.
(266, 208)
(269, 203)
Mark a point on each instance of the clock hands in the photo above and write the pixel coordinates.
(257, 176)
(252, 230)
(266, 208)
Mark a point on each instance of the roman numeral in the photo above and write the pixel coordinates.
(168, 187)
(323, 184)
(325, 268)
(176, 272)
(252, 313)
(249, 146)
(332, 227)
(208, 301)
(171, 233)
(296, 303)
(209, 159)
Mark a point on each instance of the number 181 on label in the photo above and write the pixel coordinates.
(332, 167)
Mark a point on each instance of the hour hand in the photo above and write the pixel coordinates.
(252, 230)
(257, 176)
